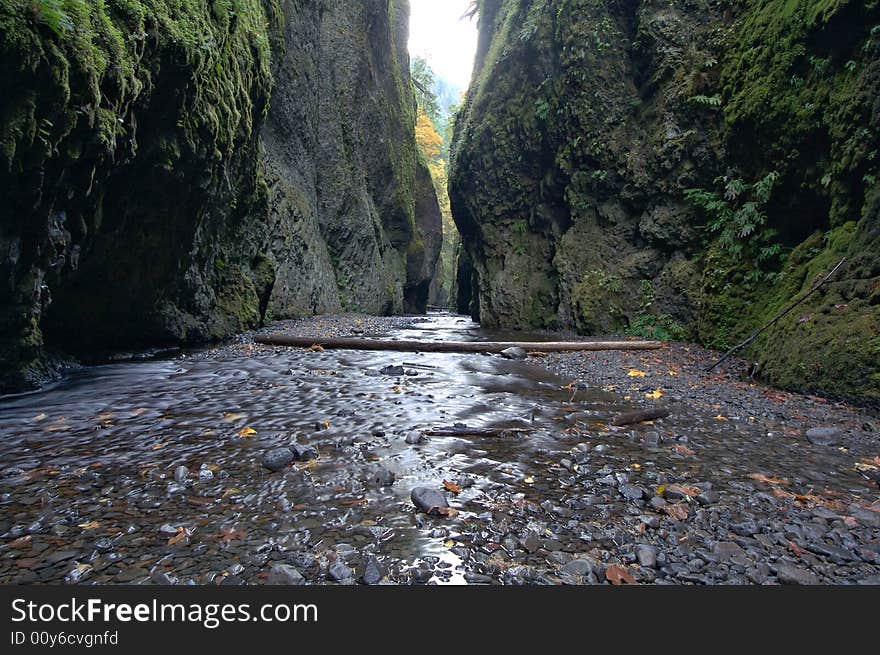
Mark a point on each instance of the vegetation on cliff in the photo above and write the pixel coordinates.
(680, 170)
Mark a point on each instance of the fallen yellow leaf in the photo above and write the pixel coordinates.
(529, 480)
(91, 525)
(720, 418)
(246, 432)
(636, 373)
(654, 395)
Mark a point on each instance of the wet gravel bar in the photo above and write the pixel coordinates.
(250, 464)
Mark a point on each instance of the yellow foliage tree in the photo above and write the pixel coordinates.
(428, 139)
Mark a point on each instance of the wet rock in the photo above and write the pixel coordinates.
(631, 491)
(514, 353)
(373, 571)
(584, 566)
(382, 476)
(206, 475)
(745, 529)
(650, 521)
(285, 574)
(824, 436)
(725, 550)
(278, 459)
(104, 545)
(339, 572)
(428, 499)
(415, 437)
(657, 502)
(708, 497)
(393, 370)
(864, 516)
(377, 432)
(791, 574)
(304, 453)
(181, 473)
(530, 542)
(647, 555)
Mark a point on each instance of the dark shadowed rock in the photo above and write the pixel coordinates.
(285, 574)
(427, 499)
(304, 453)
(278, 459)
(791, 574)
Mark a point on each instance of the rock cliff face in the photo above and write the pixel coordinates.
(679, 169)
(177, 171)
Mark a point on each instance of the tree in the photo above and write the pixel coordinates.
(424, 80)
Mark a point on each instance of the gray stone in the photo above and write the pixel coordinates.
(373, 571)
(647, 555)
(278, 459)
(181, 473)
(725, 550)
(514, 353)
(864, 516)
(415, 437)
(285, 574)
(632, 491)
(791, 574)
(393, 370)
(382, 476)
(340, 572)
(708, 497)
(427, 499)
(824, 436)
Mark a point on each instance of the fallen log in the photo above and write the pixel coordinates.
(640, 415)
(475, 432)
(352, 343)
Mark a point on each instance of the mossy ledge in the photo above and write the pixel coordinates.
(591, 127)
(142, 203)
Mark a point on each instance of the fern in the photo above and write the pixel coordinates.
(711, 101)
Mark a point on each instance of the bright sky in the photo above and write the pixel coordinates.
(438, 33)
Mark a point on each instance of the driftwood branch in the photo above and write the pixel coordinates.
(639, 416)
(475, 432)
(781, 314)
(346, 343)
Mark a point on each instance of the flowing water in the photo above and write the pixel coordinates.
(89, 491)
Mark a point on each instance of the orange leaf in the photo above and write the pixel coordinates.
(795, 549)
(451, 486)
(315, 348)
(182, 533)
(617, 575)
(681, 449)
(767, 479)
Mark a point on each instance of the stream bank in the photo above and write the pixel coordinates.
(161, 471)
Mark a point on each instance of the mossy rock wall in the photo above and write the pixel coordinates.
(175, 171)
(587, 122)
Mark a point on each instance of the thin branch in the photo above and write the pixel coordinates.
(785, 311)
